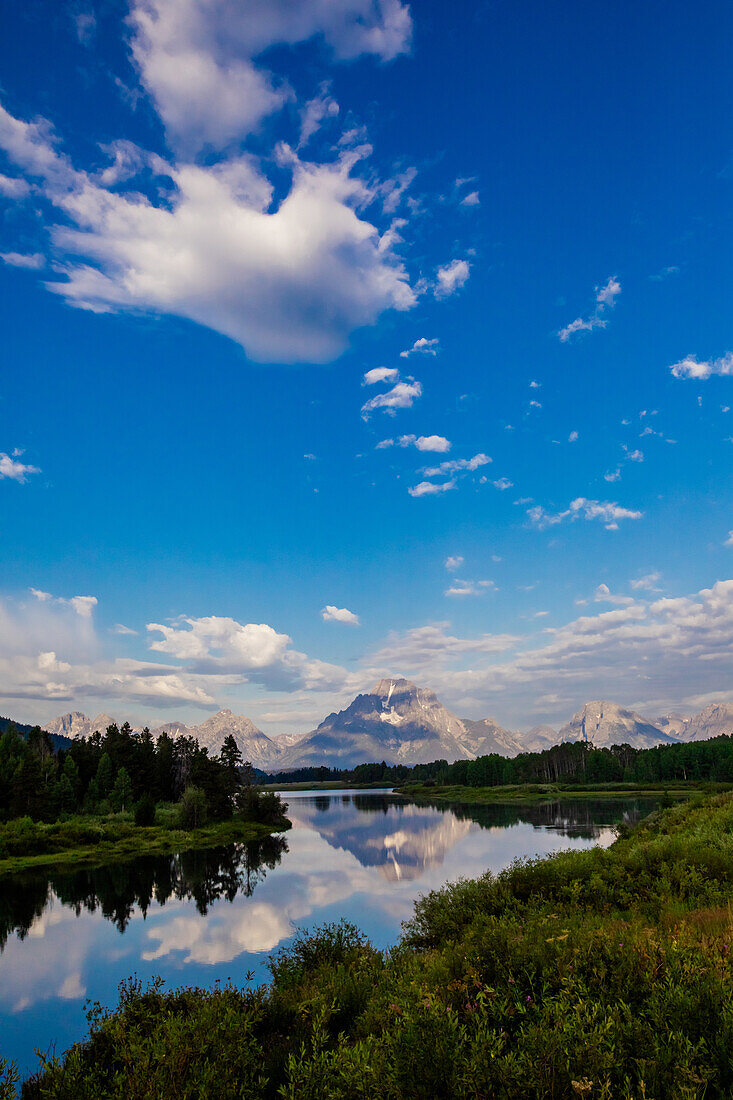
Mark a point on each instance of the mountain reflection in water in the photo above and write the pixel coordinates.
(402, 840)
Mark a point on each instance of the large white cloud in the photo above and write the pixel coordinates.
(253, 652)
(290, 275)
(288, 283)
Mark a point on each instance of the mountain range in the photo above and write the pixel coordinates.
(401, 723)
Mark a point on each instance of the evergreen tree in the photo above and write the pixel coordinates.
(105, 775)
(121, 796)
(71, 774)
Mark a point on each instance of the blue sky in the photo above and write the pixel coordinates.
(246, 245)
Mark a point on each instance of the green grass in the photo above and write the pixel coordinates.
(547, 792)
(92, 841)
(600, 973)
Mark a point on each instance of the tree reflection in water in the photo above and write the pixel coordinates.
(116, 889)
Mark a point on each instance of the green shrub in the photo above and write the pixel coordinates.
(145, 811)
(192, 809)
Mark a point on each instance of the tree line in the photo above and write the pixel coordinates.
(121, 770)
(570, 762)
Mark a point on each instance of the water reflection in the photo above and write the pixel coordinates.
(402, 840)
(117, 890)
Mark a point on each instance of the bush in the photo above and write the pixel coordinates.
(264, 807)
(192, 809)
(145, 811)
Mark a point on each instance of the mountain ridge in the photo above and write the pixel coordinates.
(401, 723)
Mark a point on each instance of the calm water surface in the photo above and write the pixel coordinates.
(203, 916)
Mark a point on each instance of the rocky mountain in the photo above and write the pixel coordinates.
(674, 724)
(605, 724)
(253, 744)
(396, 721)
(714, 720)
(77, 724)
(487, 736)
(539, 738)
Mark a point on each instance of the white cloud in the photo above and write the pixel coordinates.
(430, 647)
(401, 396)
(423, 346)
(12, 188)
(429, 488)
(50, 652)
(331, 614)
(729, 540)
(315, 112)
(691, 367)
(423, 442)
(13, 470)
(607, 512)
(453, 465)
(612, 475)
(120, 628)
(83, 605)
(451, 277)
(502, 484)
(471, 199)
(380, 374)
(648, 581)
(573, 437)
(469, 588)
(603, 594)
(33, 261)
(197, 57)
(605, 299)
(635, 456)
(453, 562)
(252, 652)
(606, 295)
(289, 282)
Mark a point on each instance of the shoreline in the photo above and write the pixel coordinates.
(133, 841)
(536, 792)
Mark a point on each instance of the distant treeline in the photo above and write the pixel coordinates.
(572, 762)
(118, 770)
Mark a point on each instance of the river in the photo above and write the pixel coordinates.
(205, 916)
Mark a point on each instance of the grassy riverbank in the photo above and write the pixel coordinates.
(548, 792)
(338, 785)
(601, 973)
(92, 841)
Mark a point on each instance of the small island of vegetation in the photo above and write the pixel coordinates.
(119, 794)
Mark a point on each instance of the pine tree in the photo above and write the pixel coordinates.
(105, 775)
(121, 796)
